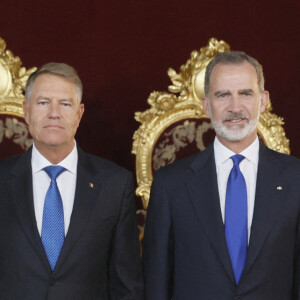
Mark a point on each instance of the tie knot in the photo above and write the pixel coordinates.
(237, 159)
(54, 171)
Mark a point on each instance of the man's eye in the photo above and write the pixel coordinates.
(65, 104)
(246, 93)
(222, 96)
(42, 102)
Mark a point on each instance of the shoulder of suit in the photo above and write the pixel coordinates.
(289, 162)
(282, 156)
(182, 165)
(9, 162)
(101, 165)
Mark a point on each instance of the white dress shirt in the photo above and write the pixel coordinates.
(248, 167)
(66, 183)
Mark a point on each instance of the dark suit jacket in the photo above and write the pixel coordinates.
(100, 256)
(185, 255)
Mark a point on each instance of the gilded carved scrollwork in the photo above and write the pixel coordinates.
(270, 129)
(13, 78)
(183, 103)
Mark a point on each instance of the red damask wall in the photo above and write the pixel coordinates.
(122, 50)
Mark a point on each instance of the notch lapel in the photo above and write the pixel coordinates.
(204, 194)
(21, 191)
(84, 202)
(267, 202)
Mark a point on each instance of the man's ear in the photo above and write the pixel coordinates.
(80, 111)
(265, 97)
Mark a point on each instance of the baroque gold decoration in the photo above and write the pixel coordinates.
(13, 78)
(183, 103)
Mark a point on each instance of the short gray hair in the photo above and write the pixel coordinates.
(235, 58)
(58, 69)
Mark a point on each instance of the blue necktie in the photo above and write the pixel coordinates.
(236, 231)
(53, 228)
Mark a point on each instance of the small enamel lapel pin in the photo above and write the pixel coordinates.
(91, 185)
(279, 188)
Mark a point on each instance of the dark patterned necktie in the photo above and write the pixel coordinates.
(236, 230)
(53, 229)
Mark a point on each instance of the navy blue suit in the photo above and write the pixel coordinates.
(100, 256)
(185, 255)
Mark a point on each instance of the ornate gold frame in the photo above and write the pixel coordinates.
(13, 78)
(168, 108)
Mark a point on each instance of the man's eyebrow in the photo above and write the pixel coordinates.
(218, 93)
(245, 91)
(49, 99)
(42, 97)
(67, 99)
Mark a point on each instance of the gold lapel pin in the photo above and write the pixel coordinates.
(279, 188)
(91, 185)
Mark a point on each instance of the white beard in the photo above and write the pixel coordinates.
(234, 133)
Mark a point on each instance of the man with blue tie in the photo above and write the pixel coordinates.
(68, 227)
(224, 223)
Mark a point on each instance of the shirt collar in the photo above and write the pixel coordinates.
(222, 153)
(39, 162)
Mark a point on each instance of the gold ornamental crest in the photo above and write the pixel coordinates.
(13, 78)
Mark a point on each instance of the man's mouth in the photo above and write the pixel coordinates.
(235, 119)
(53, 126)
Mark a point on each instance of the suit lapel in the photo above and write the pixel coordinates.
(268, 199)
(204, 194)
(20, 189)
(84, 202)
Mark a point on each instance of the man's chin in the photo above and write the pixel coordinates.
(51, 142)
(234, 134)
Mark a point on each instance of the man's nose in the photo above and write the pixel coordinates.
(54, 111)
(235, 104)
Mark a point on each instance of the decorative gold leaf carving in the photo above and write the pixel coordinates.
(183, 82)
(13, 78)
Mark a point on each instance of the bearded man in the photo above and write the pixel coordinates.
(224, 224)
